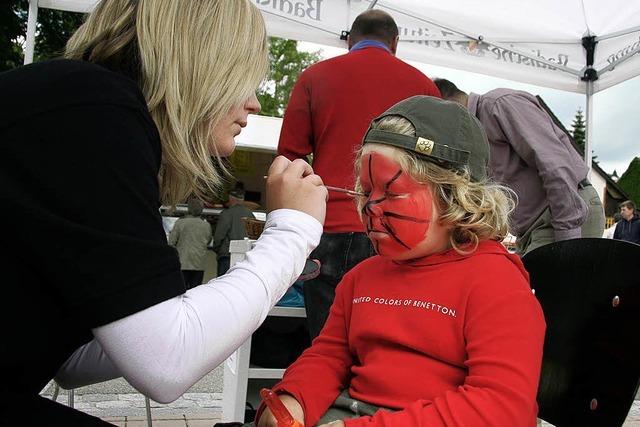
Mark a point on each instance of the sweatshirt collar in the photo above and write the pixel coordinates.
(451, 255)
(363, 44)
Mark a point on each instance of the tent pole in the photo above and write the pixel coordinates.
(31, 31)
(589, 128)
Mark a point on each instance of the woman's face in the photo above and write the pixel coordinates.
(399, 213)
(231, 124)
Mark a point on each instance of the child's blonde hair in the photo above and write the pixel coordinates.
(194, 61)
(475, 211)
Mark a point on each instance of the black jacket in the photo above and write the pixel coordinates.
(628, 230)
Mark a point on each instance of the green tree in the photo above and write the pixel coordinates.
(630, 180)
(13, 26)
(578, 126)
(287, 62)
(53, 29)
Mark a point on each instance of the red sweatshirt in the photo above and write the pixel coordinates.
(331, 106)
(447, 340)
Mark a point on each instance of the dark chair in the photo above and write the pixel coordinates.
(589, 290)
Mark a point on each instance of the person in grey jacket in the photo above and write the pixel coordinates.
(534, 157)
(230, 227)
(191, 235)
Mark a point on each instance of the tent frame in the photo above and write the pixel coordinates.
(588, 73)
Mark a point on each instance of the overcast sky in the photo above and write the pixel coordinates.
(616, 110)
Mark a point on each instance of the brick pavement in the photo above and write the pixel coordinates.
(190, 410)
(128, 409)
(118, 403)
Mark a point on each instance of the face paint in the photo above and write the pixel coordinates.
(398, 211)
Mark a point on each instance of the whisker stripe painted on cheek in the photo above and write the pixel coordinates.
(406, 218)
(393, 235)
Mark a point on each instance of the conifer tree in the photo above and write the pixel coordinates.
(630, 181)
(579, 133)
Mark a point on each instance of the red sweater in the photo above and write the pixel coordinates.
(331, 106)
(447, 340)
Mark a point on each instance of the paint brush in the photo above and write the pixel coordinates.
(339, 190)
(344, 190)
(279, 411)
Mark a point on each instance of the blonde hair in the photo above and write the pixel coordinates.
(475, 211)
(194, 61)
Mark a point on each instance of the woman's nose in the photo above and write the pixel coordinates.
(252, 105)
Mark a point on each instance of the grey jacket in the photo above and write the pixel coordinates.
(230, 227)
(191, 236)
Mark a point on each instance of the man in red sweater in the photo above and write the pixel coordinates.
(331, 106)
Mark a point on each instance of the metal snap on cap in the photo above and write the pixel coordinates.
(616, 301)
(424, 146)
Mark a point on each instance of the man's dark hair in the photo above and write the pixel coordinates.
(374, 24)
(447, 89)
(237, 194)
(628, 204)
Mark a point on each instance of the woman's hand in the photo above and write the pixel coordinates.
(293, 185)
(293, 406)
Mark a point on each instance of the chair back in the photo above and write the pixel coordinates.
(589, 290)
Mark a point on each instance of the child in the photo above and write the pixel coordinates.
(441, 328)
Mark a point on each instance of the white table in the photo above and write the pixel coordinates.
(237, 370)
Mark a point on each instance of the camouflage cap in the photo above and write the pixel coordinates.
(446, 134)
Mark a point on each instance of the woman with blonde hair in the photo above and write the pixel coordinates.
(440, 328)
(147, 100)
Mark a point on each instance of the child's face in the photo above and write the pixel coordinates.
(399, 213)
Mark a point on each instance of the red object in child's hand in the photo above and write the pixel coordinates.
(279, 411)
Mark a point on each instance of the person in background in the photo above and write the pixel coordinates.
(440, 328)
(608, 233)
(168, 220)
(230, 227)
(535, 158)
(191, 235)
(148, 99)
(628, 228)
(331, 106)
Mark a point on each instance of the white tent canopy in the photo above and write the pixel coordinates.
(538, 42)
(582, 46)
(261, 134)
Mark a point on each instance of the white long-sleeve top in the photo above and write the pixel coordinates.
(164, 349)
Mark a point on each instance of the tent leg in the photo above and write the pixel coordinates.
(589, 127)
(31, 32)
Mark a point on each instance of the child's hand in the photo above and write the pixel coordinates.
(293, 406)
(338, 423)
